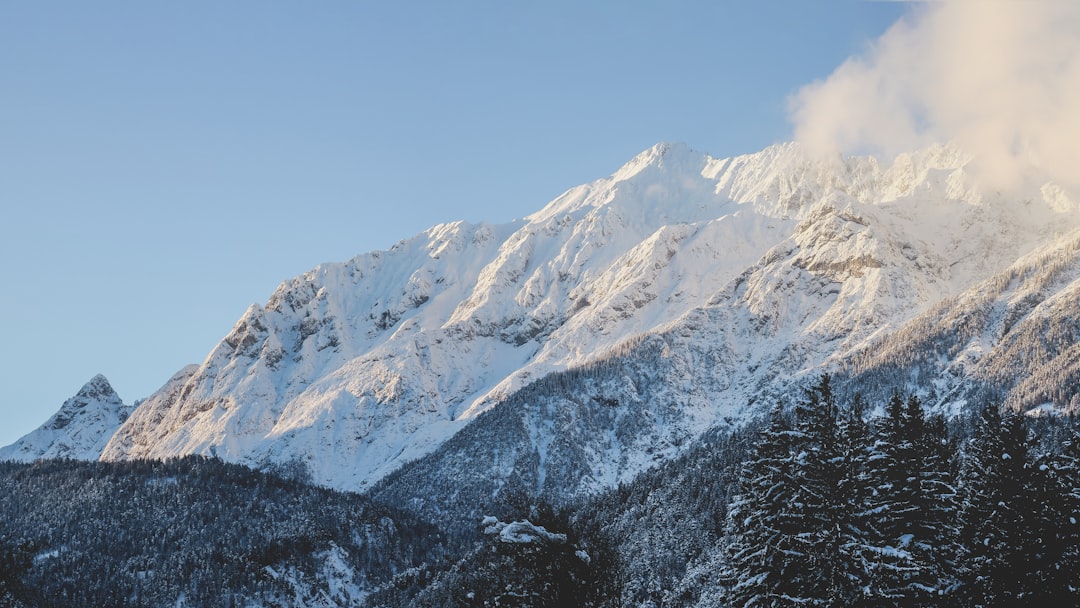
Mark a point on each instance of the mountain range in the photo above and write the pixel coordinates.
(577, 347)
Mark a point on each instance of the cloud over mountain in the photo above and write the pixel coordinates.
(1000, 78)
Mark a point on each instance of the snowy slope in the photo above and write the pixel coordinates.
(725, 279)
(80, 429)
(357, 367)
(841, 290)
(1012, 338)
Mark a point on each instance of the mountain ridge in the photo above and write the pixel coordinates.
(753, 272)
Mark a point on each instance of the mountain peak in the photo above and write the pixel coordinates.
(663, 168)
(79, 429)
(98, 389)
(97, 394)
(664, 155)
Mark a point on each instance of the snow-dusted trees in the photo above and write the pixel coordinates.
(147, 533)
(1018, 527)
(935, 542)
(788, 525)
(818, 512)
(817, 507)
(1060, 496)
(761, 541)
(894, 513)
(908, 511)
(832, 512)
(996, 511)
(890, 508)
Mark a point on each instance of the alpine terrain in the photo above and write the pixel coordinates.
(613, 327)
(765, 380)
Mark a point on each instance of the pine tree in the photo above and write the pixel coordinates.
(996, 513)
(1068, 518)
(818, 511)
(854, 488)
(787, 528)
(891, 508)
(853, 441)
(759, 542)
(937, 543)
(1056, 498)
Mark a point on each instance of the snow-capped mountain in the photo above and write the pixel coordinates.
(696, 285)
(80, 429)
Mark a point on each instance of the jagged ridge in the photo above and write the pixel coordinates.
(746, 273)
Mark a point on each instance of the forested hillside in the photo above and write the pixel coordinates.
(193, 532)
(820, 503)
(826, 501)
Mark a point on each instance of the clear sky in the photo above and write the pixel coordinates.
(164, 165)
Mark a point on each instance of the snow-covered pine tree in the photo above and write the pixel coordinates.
(853, 435)
(817, 513)
(936, 543)
(1056, 498)
(891, 509)
(759, 543)
(995, 516)
(787, 526)
(853, 441)
(1068, 520)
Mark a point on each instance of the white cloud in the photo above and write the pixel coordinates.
(1001, 78)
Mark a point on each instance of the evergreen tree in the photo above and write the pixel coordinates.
(936, 542)
(854, 488)
(891, 508)
(817, 513)
(1055, 499)
(787, 527)
(853, 440)
(996, 517)
(1067, 474)
(759, 541)
(902, 509)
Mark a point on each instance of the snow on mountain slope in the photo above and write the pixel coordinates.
(849, 278)
(1012, 337)
(80, 429)
(756, 270)
(354, 368)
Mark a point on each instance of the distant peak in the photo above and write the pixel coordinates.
(98, 388)
(95, 396)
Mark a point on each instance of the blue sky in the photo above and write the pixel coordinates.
(164, 165)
